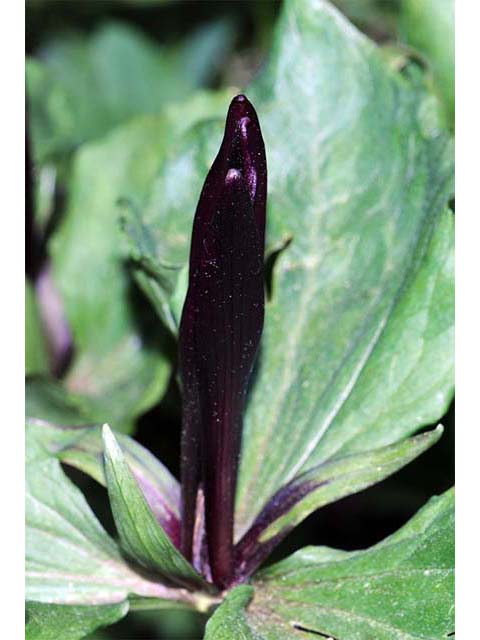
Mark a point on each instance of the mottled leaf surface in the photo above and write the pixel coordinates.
(43, 621)
(357, 349)
(230, 620)
(400, 589)
(119, 364)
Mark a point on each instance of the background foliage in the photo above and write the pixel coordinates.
(110, 86)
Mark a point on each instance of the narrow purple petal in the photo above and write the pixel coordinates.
(220, 331)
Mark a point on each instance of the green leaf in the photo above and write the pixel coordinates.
(80, 88)
(52, 122)
(358, 347)
(357, 350)
(48, 400)
(36, 353)
(43, 621)
(400, 589)
(344, 476)
(82, 447)
(70, 559)
(119, 366)
(154, 261)
(429, 26)
(371, 16)
(140, 534)
(230, 620)
(52, 401)
(328, 483)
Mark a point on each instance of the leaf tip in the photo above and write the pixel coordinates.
(435, 434)
(106, 431)
(110, 444)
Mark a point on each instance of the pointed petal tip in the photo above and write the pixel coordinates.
(438, 431)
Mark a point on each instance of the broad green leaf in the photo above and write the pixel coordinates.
(155, 268)
(82, 447)
(357, 350)
(47, 399)
(80, 88)
(46, 621)
(70, 559)
(51, 118)
(400, 589)
(358, 347)
(336, 479)
(36, 353)
(429, 26)
(119, 365)
(230, 621)
(371, 16)
(140, 534)
(53, 401)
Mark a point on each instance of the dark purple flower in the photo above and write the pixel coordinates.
(220, 331)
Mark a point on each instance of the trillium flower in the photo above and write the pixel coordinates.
(220, 332)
